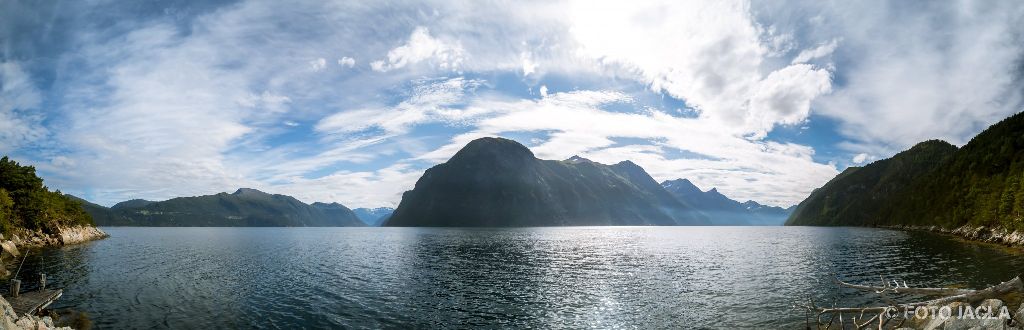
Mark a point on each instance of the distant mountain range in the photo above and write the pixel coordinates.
(723, 210)
(375, 216)
(490, 182)
(932, 183)
(498, 182)
(243, 208)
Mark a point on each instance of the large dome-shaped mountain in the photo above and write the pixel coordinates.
(499, 182)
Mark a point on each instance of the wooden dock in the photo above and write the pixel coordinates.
(29, 303)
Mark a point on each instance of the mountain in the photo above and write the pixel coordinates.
(860, 196)
(777, 215)
(721, 209)
(933, 183)
(132, 204)
(375, 216)
(102, 215)
(243, 208)
(339, 212)
(498, 182)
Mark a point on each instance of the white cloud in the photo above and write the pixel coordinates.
(19, 103)
(266, 103)
(784, 97)
(942, 70)
(428, 102)
(543, 90)
(318, 64)
(375, 188)
(860, 158)
(807, 55)
(711, 54)
(529, 66)
(347, 62)
(422, 47)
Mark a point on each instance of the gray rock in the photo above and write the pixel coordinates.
(983, 321)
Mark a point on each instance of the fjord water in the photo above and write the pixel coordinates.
(437, 277)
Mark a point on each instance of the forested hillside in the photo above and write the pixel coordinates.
(933, 183)
(26, 203)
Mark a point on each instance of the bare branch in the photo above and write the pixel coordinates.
(904, 289)
(973, 296)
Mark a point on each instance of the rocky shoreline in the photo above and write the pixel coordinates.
(11, 320)
(64, 236)
(9, 253)
(979, 234)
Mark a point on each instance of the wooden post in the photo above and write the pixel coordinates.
(15, 287)
(42, 282)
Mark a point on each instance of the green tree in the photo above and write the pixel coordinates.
(16, 178)
(1018, 204)
(27, 203)
(6, 211)
(1006, 201)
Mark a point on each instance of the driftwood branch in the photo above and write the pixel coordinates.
(893, 286)
(880, 316)
(974, 296)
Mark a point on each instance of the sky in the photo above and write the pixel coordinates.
(350, 101)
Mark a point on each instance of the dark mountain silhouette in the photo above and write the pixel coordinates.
(499, 182)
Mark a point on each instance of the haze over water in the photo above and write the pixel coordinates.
(450, 277)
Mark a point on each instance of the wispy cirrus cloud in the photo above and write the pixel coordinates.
(20, 120)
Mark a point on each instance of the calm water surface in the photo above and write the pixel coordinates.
(541, 277)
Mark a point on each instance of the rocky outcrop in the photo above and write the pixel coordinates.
(980, 234)
(11, 320)
(82, 234)
(64, 236)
